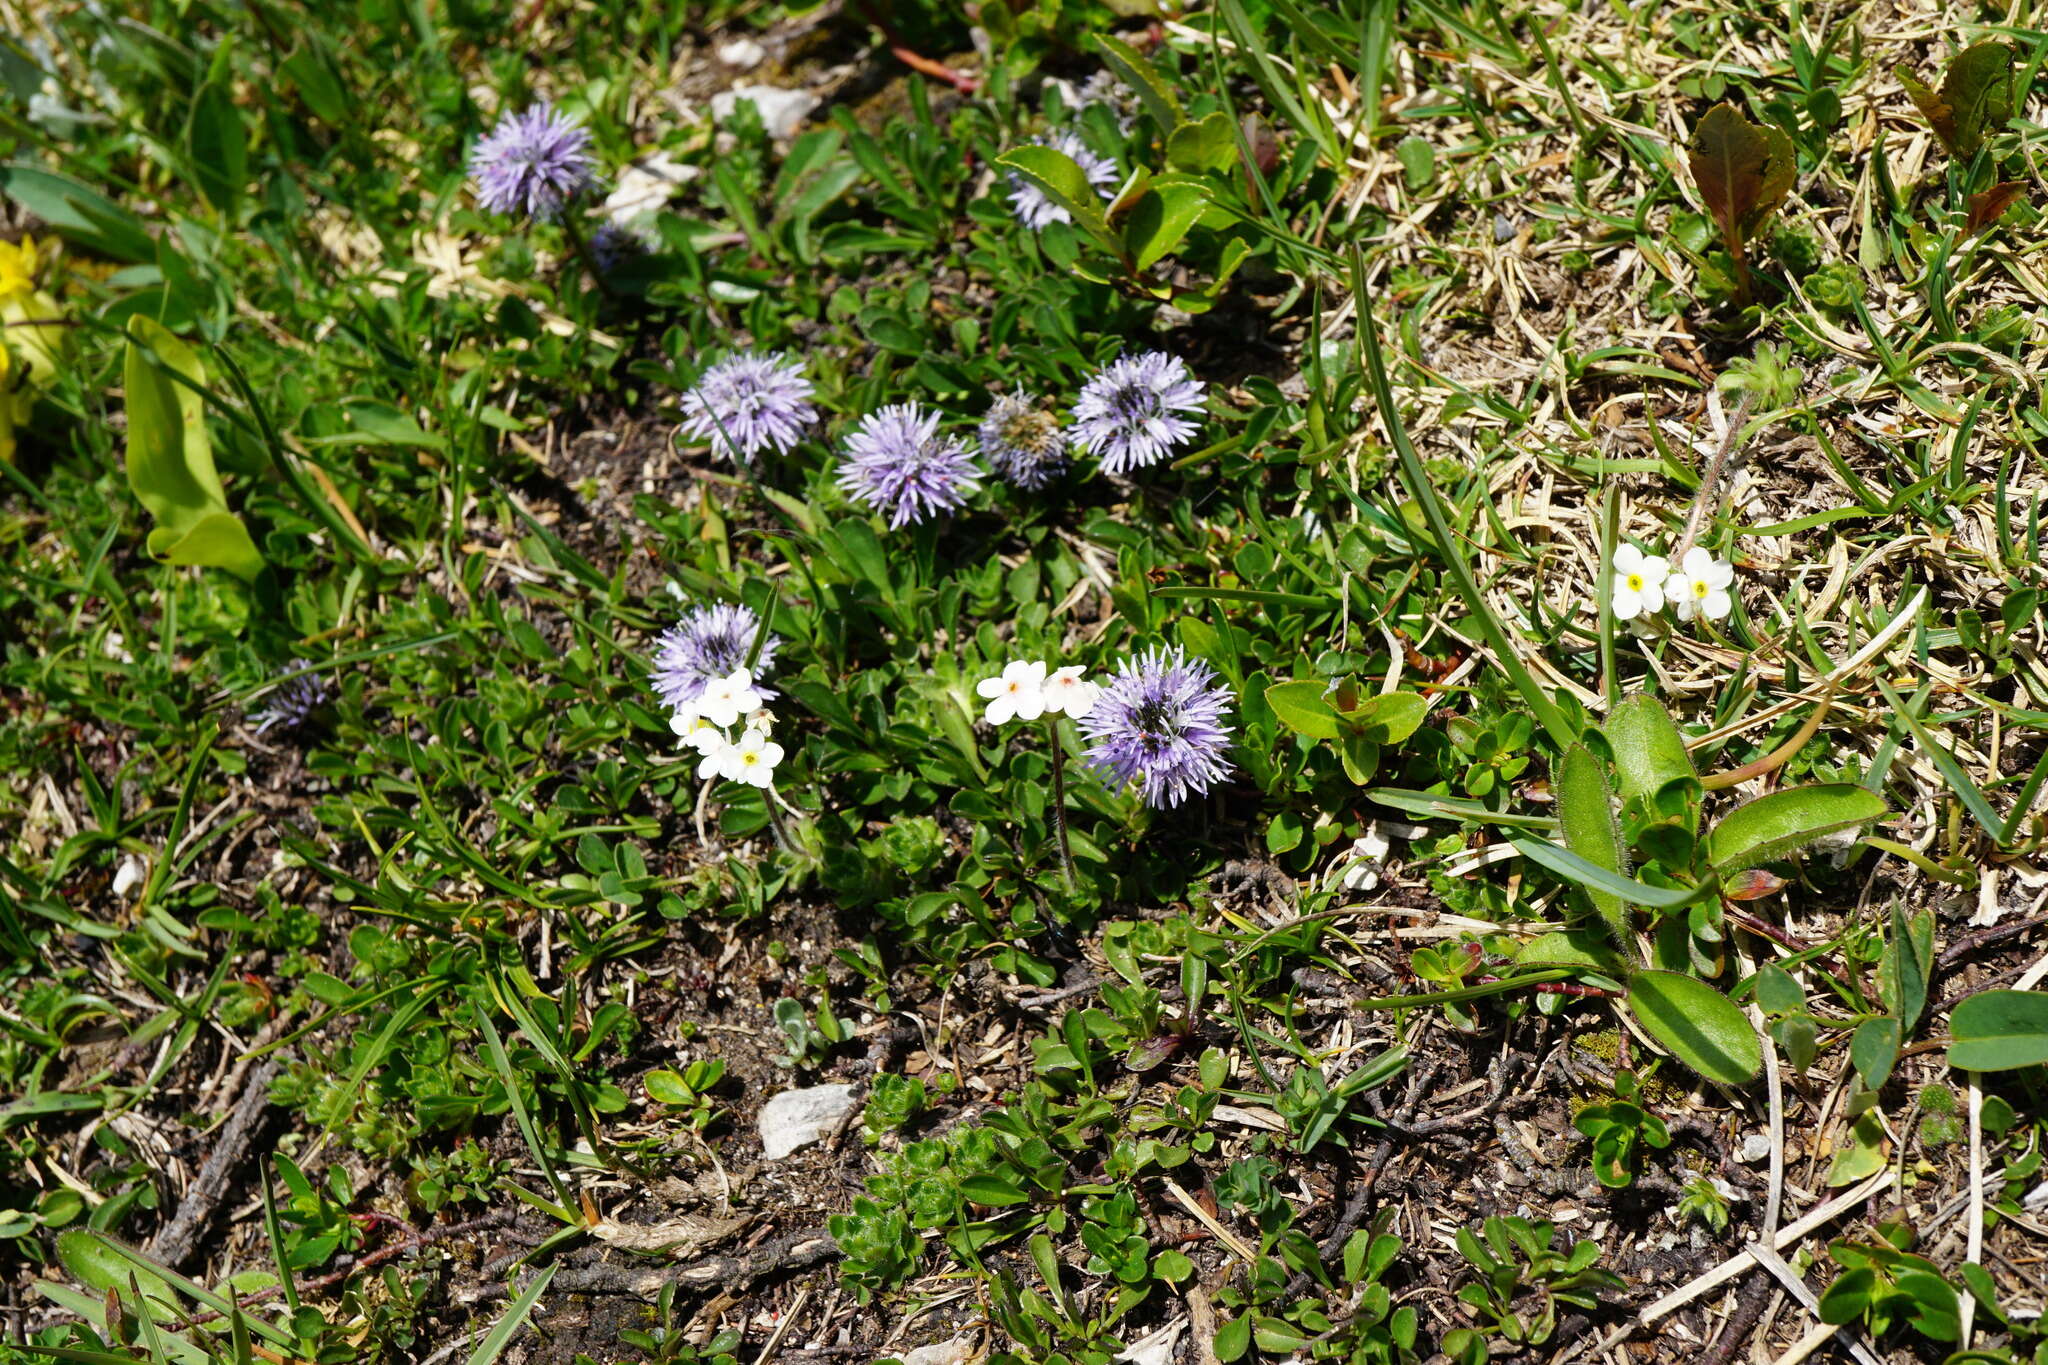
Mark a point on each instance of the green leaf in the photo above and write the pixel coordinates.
(1208, 144)
(1301, 707)
(1387, 718)
(219, 146)
(1697, 1024)
(1143, 78)
(1976, 97)
(1999, 1031)
(1572, 948)
(1743, 171)
(1772, 826)
(668, 1087)
(1649, 752)
(987, 1189)
(170, 460)
(1160, 220)
(1574, 868)
(1233, 1339)
(1585, 808)
(1874, 1050)
(78, 212)
(1063, 182)
(1907, 965)
(1863, 1157)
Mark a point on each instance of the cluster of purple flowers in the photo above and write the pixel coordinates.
(532, 163)
(293, 704)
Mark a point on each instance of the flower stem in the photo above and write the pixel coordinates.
(1059, 801)
(582, 248)
(1708, 497)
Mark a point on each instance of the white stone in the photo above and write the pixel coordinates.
(744, 53)
(782, 111)
(1756, 1147)
(128, 876)
(645, 186)
(798, 1118)
(958, 1351)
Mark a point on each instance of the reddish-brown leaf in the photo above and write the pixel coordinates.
(1988, 206)
(1729, 158)
(1751, 884)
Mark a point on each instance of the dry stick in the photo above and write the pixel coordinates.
(1710, 480)
(910, 57)
(175, 1243)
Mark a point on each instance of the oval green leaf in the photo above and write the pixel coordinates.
(1585, 807)
(1648, 750)
(1772, 826)
(1999, 1031)
(1302, 709)
(1697, 1024)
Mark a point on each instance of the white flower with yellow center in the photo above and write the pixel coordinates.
(1018, 693)
(724, 700)
(696, 730)
(1700, 587)
(752, 760)
(1638, 587)
(1067, 692)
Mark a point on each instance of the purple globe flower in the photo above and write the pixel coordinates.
(1023, 442)
(613, 244)
(1129, 414)
(898, 464)
(708, 643)
(749, 403)
(533, 162)
(293, 705)
(1158, 723)
(1028, 201)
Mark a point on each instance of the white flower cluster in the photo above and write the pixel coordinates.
(1644, 585)
(1024, 691)
(703, 723)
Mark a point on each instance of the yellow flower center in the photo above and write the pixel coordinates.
(1700, 587)
(1635, 582)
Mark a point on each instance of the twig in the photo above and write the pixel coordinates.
(910, 57)
(798, 1251)
(1710, 480)
(175, 1242)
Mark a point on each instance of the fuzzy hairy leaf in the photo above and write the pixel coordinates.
(1585, 808)
(1772, 826)
(1649, 753)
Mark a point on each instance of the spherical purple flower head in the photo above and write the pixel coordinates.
(708, 643)
(754, 401)
(615, 243)
(1158, 723)
(1130, 413)
(898, 464)
(1023, 442)
(533, 162)
(1029, 203)
(293, 705)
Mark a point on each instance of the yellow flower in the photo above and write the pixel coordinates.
(17, 266)
(31, 325)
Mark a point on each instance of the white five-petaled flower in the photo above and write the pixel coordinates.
(1700, 586)
(1018, 693)
(696, 730)
(752, 760)
(1639, 583)
(1068, 692)
(762, 720)
(724, 700)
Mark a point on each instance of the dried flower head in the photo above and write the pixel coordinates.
(749, 403)
(1029, 202)
(1158, 724)
(533, 163)
(1023, 442)
(899, 464)
(1130, 413)
(706, 645)
(293, 704)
